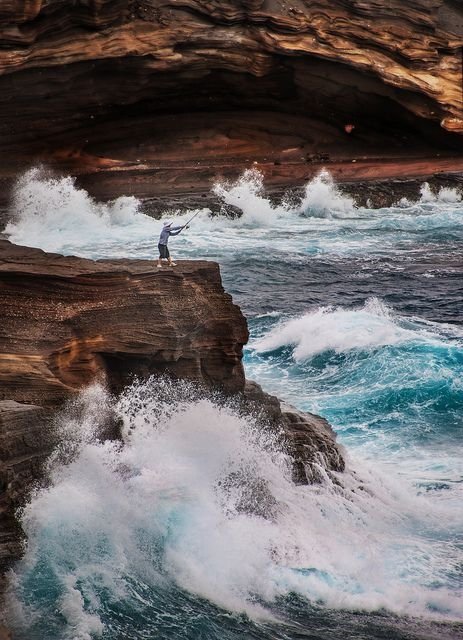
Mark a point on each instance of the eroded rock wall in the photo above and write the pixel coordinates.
(95, 82)
(23, 445)
(67, 321)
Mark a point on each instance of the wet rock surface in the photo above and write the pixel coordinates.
(67, 322)
(308, 438)
(23, 445)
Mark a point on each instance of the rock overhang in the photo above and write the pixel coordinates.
(95, 83)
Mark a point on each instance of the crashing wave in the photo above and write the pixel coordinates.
(155, 525)
(52, 212)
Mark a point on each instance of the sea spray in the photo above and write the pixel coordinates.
(52, 212)
(153, 528)
(449, 195)
(247, 194)
(323, 197)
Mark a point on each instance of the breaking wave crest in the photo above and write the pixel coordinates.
(340, 330)
(52, 212)
(194, 513)
(390, 384)
(322, 198)
(247, 194)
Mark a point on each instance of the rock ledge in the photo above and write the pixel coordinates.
(68, 322)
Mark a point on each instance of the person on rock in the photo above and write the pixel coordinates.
(167, 231)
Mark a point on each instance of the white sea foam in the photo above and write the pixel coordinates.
(324, 198)
(177, 505)
(337, 329)
(248, 195)
(52, 213)
(445, 195)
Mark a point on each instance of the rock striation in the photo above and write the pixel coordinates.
(194, 86)
(67, 322)
(23, 446)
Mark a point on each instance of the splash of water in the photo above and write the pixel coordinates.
(248, 195)
(324, 198)
(199, 501)
(445, 195)
(50, 212)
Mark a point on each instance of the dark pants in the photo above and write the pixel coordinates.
(163, 251)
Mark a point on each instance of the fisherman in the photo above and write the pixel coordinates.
(167, 231)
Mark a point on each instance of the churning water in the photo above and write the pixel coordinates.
(356, 314)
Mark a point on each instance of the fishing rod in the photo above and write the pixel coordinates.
(192, 218)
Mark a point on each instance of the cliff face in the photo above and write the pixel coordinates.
(23, 446)
(67, 322)
(183, 84)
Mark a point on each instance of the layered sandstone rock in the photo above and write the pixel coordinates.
(68, 321)
(411, 46)
(23, 445)
(196, 85)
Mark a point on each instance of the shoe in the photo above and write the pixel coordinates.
(159, 266)
(172, 264)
